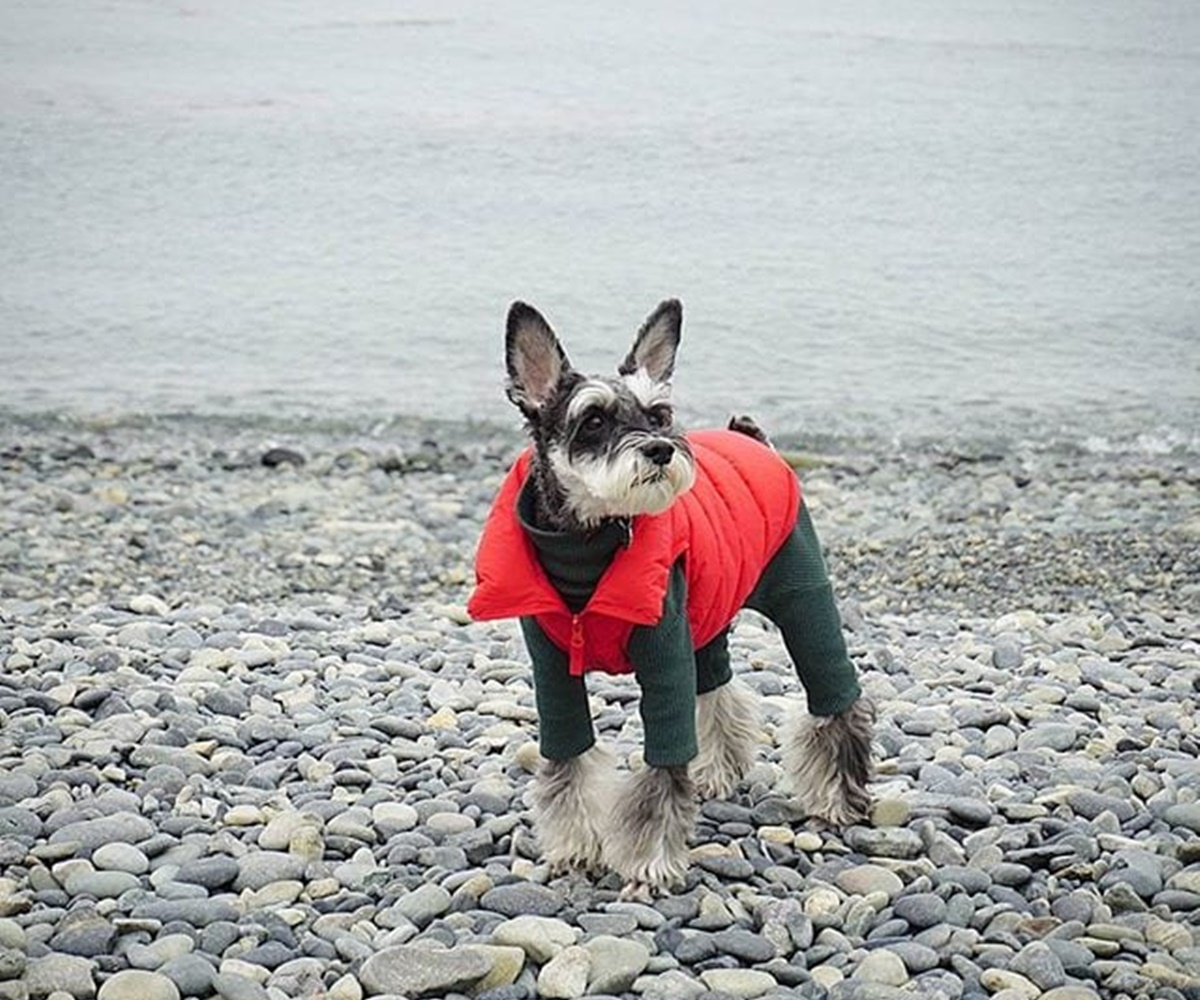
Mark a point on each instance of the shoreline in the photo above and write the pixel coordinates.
(248, 733)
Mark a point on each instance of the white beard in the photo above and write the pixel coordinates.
(624, 486)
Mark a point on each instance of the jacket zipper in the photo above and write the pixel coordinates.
(576, 665)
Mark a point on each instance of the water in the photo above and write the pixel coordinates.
(968, 221)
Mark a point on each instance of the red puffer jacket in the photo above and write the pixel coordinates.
(742, 508)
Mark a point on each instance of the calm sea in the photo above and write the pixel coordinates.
(941, 219)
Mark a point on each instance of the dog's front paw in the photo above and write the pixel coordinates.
(571, 802)
(727, 729)
(647, 844)
(640, 892)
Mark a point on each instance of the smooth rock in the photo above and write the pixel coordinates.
(1041, 966)
(744, 984)
(122, 827)
(883, 967)
(56, 973)
(121, 858)
(862, 880)
(615, 963)
(506, 962)
(135, 984)
(541, 938)
(522, 899)
(424, 903)
(414, 971)
(234, 986)
(565, 976)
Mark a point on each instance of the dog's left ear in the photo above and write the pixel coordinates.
(654, 349)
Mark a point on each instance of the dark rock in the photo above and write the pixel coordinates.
(274, 457)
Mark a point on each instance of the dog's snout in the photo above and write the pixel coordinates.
(659, 452)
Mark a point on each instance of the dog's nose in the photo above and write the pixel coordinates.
(659, 452)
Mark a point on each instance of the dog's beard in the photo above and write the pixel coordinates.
(622, 484)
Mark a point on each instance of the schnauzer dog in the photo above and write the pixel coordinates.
(627, 546)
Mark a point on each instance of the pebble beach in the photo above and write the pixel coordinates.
(252, 748)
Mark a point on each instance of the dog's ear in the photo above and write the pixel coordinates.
(536, 361)
(654, 349)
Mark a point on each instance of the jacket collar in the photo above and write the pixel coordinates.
(510, 581)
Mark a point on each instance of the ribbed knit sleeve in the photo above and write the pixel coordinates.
(564, 718)
(795, 593)
(664, 663)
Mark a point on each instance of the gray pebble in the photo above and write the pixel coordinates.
(232, 986)
(522, 898)
(192, 974)
(211, 873)
(920, 910)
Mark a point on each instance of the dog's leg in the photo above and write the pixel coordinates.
(647, 842)
(571, 800)
(727, 730)
(828, 763)
(827, 753)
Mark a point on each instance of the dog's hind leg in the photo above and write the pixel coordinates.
(727, 728)
(827, 755)
(572, 799)
(827, 761)
(647, 843)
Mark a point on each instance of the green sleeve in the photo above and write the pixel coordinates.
(564, 719)
(664, 664)
(796, 595)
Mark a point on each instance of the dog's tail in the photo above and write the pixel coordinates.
(746, 425)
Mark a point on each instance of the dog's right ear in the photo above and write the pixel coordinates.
(536, 361)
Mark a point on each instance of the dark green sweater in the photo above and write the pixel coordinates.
(794, 592)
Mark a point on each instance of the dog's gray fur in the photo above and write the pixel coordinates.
(572, 800)
(827, 762)
(727, 729)
(647, 843)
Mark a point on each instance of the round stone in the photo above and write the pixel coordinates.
(862, 880)
(744, 984)
(136, 984)
(882, 967)
(120, 858)
(921, 909)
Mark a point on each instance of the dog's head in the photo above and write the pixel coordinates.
(606, 447)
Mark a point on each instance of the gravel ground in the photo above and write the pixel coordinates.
(250, 746)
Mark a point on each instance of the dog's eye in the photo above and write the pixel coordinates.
(659, 417)
(594, 423)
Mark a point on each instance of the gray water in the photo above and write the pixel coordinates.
(976, 221)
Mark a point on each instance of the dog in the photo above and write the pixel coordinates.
(625, 545)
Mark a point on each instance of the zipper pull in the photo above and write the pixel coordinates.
(576, 652)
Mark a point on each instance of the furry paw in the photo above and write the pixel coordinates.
(647, 843)
(727, 731)
(828, 763)
(571, 800)
(638, 892)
